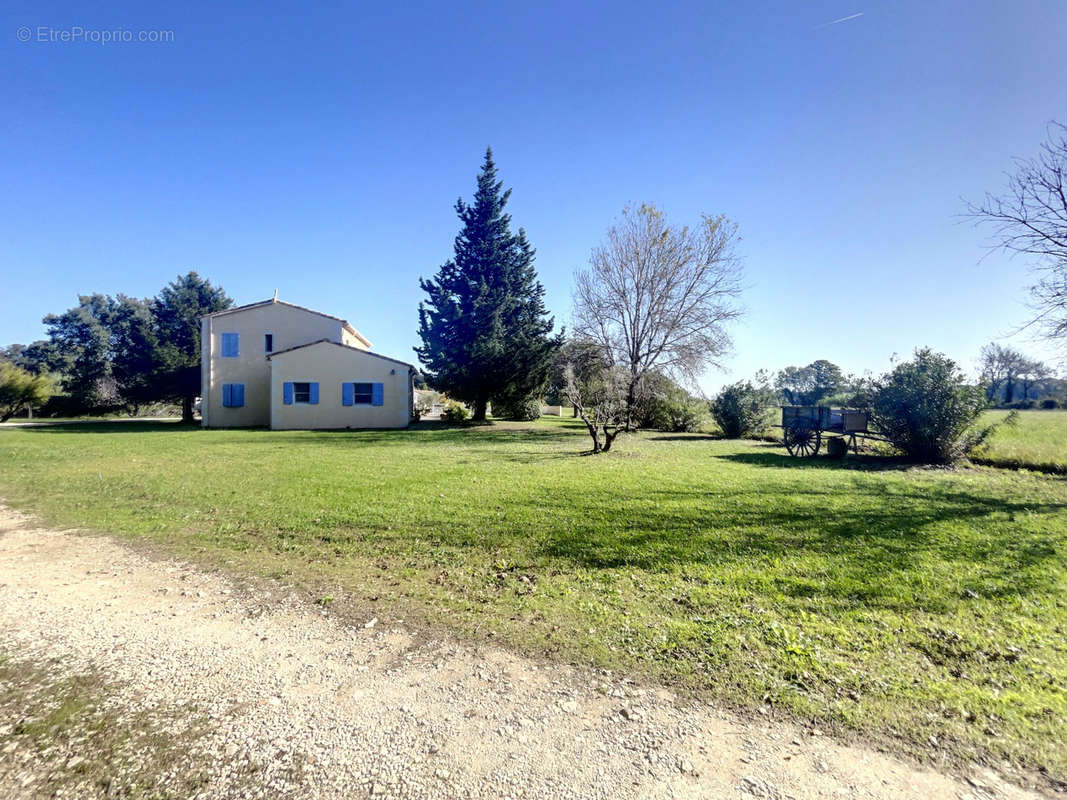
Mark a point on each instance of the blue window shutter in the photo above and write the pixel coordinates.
(287, 393)
(231, 345)
(237, 394)
(348, 394)
(313, 393)
(377, 394)
(227, 394)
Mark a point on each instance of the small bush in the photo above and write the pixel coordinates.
(740, 409)
(524, 409)
(455, 412)
(925, 408)
(664, 405)
(1049, 404)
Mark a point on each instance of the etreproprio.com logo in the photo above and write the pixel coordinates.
(76, 34)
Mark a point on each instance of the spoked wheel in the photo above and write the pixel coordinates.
(802, 438)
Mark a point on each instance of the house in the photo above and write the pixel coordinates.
(285, 366)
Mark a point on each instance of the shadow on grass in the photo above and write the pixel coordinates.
(782, 460)
(687, 437)
(879, 549)
(112, 426)
(430, 433)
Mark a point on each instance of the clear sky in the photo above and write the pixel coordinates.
(319, 152)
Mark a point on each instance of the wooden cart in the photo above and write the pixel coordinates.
(805, 427)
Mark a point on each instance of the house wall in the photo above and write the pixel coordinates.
(349, 338)
(290, 327)
(330, 366)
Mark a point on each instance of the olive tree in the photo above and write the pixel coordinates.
(598, 395)
(657, 297)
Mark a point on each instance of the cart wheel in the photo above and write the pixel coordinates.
(802, 438)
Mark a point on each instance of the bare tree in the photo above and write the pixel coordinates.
(1001, 368)
(658, 297)
(1031, 219)
(1030, 373)
(1009, 375)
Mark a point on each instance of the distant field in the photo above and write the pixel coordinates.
(1038, 440)
(924, 608)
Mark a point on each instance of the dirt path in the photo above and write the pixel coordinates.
(294, 703)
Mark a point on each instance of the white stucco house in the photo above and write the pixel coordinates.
(285, 366)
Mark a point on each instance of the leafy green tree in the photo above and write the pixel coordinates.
(486, 334)
(38, 358)
(927, 410)
(81, 337)
(135, 356)
(20, 390)
(807, 386)
(177, 310)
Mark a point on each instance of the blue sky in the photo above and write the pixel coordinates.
(319, 152)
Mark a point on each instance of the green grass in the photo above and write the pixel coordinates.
(1037, 440)
(902, 604)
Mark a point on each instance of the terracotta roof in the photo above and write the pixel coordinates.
(345, 346)
(344, 322)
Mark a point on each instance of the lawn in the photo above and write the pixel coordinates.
(1037, 440)
(922, 608)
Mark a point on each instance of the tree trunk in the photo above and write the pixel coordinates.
(594, 432)
(574, 413)
(631, 401)
(480, 406)
(609, 438)
(187, 408)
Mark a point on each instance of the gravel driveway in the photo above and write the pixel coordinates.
(290, 701)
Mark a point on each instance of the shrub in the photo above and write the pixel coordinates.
(455, 412)
(524, 409)
(685, 417)
(663, 405)
(925, 408)
(1049, 403)
(740, 409)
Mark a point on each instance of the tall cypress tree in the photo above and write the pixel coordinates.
(486, 334)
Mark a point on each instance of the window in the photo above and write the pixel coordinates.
(300, 392)
(361, 394)
(231, 345)
(233, 395)
(268, 343)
